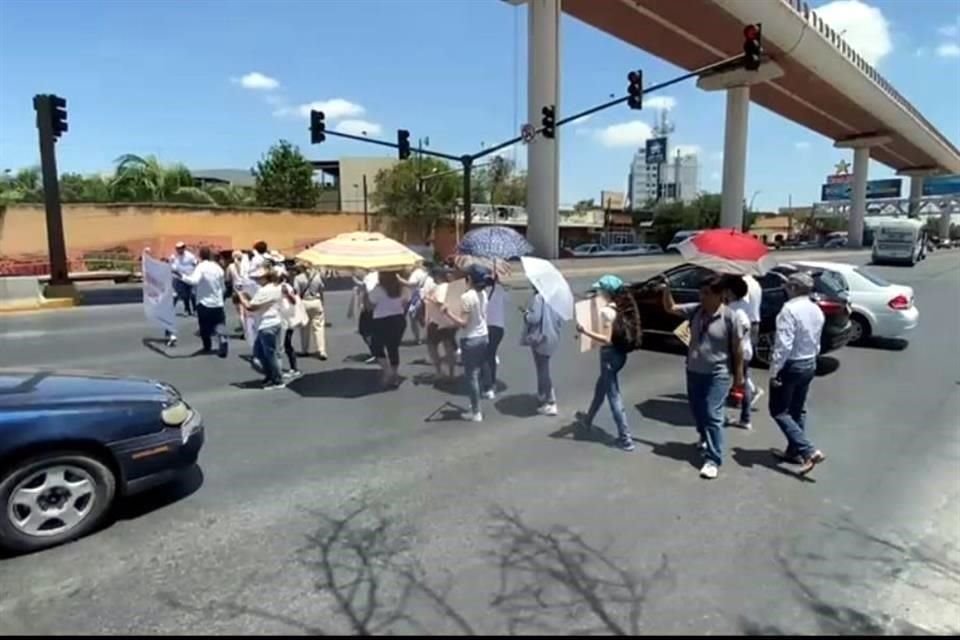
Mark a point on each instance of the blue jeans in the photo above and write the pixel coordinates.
(545, 393)
(265, 351)
(707, 394)
(608, 386)
(185, 292)
(473, 352)
(489, 372)
(787, 405)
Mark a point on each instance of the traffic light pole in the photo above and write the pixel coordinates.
(56, 245)
(467, 161)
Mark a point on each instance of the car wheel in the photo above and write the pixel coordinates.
(859, 329)
(53, 498)
(761, 355)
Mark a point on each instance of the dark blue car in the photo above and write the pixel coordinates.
(71, 443)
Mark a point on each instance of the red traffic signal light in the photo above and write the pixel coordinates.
(751, 32)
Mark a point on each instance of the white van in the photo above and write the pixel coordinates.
(898, 241)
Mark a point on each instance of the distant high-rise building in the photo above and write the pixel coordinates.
(676, 178)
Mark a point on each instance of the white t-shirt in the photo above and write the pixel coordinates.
(384, 306)
(474, 305)
(608, 315)
(754, 298)
(741, 313)
(268, 316)
(208, 278)
(371, 280)
(418, 277)
(496, 316)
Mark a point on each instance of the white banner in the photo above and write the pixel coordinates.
(158, 293)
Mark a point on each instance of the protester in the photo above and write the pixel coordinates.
(208, 279)
(389, 304)
(236, 275)
(793, 366)
(754, 302)
(182, 263)
(737, 299)
(415, 311)
(362, 284)
(619, 334)
(541, 332)
(294, 317)
(440, 330)
(309, 286)
(265, 309)
(473, 343)
(259, 257)
(713, 356)
(496, 321)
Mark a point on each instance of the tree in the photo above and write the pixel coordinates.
(231, 196)
(23, 187)
(285, 178)
(144, 179)
(585, 205)
(418, 191)
(78, 188)
(500, 183)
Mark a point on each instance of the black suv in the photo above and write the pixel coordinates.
(685, 285)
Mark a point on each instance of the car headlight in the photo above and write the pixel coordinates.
(176, 414)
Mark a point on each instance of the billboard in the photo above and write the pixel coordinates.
(656, 150)
(876, 189)
(941, 185)
(840, 179)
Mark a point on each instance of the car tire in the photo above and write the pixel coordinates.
(94, 497)
(859, 329)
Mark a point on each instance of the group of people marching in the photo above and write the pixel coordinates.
(723, 334)
(724, 328)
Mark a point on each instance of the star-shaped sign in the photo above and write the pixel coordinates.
(842, 167)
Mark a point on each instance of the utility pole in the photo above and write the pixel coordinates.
(467, 161)
(366, 221)
(51, 122)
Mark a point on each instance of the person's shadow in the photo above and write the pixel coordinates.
(669, 409)
(679, 451)
(158, 345)
(749, 458)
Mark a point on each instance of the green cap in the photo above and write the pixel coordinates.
(608, 284)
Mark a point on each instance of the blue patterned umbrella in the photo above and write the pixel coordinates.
(494, 242)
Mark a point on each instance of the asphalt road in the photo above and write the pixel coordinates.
(869, 546)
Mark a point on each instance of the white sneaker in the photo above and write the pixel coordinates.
(709, 471)
(470, 416)
(497, 360)
(171, 342)
(755, 400)
(548, 410)
(490, 395)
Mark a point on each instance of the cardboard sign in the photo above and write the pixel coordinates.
(683, 332)
(158, 293)
(587, 313)
(451, 296)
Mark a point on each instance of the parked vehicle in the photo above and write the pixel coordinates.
(592, 250)
(679, 237)
(632, 249)
(835, 243)
(685, 285)
(880, 309)
(72, 443)
(899, 241)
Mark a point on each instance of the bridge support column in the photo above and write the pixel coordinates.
(858, 198)
(916, 193)
(543, 89)
(734, 157)
(736, 83)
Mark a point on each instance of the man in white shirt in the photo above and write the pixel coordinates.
(793, 366)
(182, 263)
(265, 310)
(208, 278)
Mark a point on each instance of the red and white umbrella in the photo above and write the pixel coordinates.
(728, 251)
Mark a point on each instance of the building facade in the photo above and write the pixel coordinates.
(675, 179)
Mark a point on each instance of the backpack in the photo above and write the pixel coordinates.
(626, 335)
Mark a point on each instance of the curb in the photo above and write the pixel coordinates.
(32, 306)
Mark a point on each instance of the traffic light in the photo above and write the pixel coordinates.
(635, 90)
(58, 113)
(752, 47)
(403, 143)
(318, 127)
(549, 122)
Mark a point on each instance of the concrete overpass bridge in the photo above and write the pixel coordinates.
(812, 77)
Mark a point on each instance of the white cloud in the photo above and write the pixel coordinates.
(659, 102)
(624, 134)
(333, 109)
(582, 120)
(801, 146)
(359, 127)
(865, 28)
(950, 30)
(949, 50)
(257, 81)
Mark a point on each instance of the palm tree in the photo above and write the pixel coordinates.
(144, 179)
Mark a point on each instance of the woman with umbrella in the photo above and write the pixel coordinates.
(548, 307)
(473, 343)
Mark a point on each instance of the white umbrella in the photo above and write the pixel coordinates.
(551, 284)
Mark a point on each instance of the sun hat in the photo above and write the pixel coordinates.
(608, 284)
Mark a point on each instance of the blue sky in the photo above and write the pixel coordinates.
(174, 79)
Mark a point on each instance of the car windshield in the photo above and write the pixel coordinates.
(875, 279)
(829, 283)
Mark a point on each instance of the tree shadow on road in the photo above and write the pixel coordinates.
(366, 573)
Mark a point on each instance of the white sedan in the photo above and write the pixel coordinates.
(880, 309)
